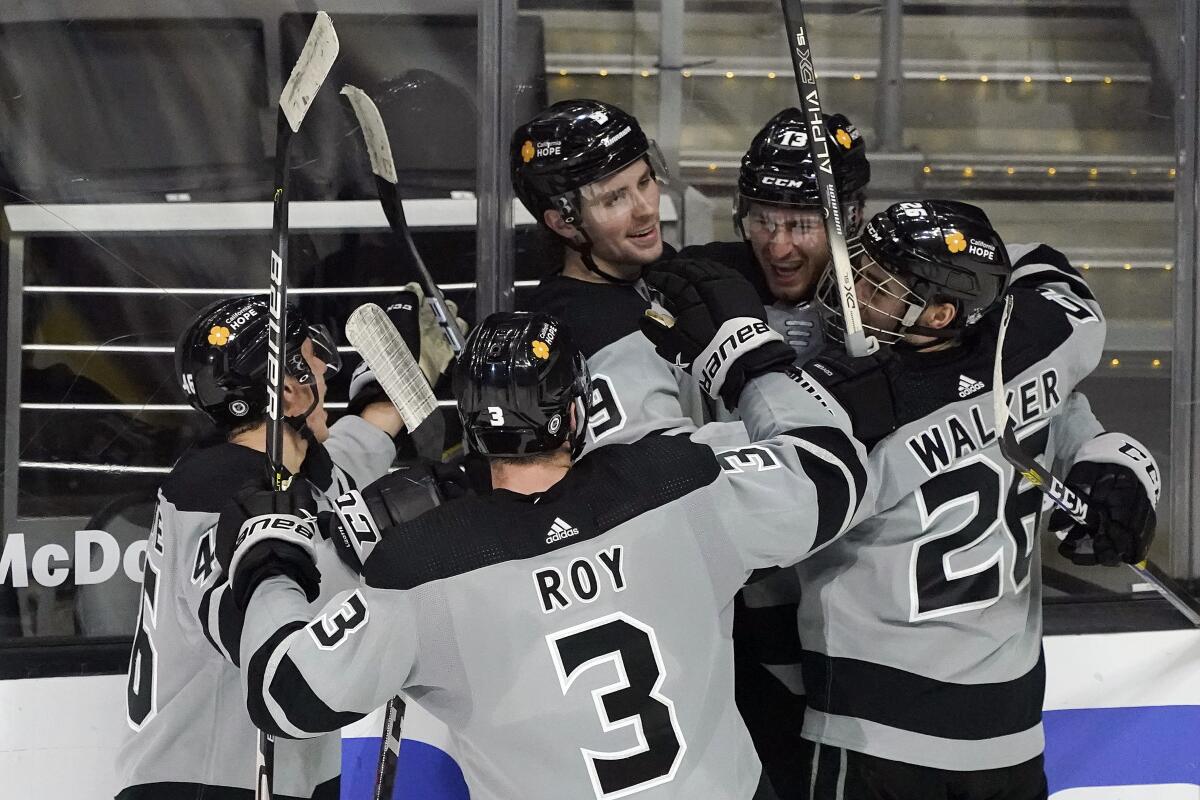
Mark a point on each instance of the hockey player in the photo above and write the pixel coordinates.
(587, 173)
(571, 627)
(189, 735)
(777, 212)
(922, 626)
(783, 252)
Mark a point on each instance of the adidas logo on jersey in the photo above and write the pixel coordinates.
(561, 530)
(968, 386)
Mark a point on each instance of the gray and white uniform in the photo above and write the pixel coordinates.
(922, 626)
(576, 642)
(189, 735)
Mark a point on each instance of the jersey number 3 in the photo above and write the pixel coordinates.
(633, 701)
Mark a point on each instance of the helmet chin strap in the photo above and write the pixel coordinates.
(299, 422)
(584, 249)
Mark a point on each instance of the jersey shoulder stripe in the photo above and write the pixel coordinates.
(204, 480)
(604, 489)
(597, 313)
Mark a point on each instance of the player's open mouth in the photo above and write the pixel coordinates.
(787, 273)
(645, 236)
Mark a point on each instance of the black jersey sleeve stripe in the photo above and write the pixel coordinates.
(831, 461)
(301, 705)
(221, 622)
(256, 679)
(833, 495)
(890, 696)
(838, 444)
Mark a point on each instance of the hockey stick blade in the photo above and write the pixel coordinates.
(379, 150)
(800, 47)
(1059, 493)
(382, 347)
(320, 50)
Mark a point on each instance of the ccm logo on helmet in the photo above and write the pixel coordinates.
(785, 183)
(726, 350)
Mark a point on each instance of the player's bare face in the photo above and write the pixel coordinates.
(620, 214)
(791, 249)
(300, 398)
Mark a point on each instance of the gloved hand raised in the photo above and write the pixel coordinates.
(263, 533)
(718, 332)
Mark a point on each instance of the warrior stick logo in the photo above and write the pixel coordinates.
(273, 354)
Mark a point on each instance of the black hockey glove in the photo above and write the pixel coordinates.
(360, 519)
(1121, 482)
(1126, 517)
(404, 310)
(862, 386)
(718, 334)
(262, 533)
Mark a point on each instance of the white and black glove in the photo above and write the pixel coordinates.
(263, 533)
(360, 519)
(719, 333)
(404, 310)
(1121, 482)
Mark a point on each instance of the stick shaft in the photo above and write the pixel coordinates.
(800, 47)
(393, 209)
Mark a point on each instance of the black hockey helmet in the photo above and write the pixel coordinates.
(516, 380)
(569, 145)
(777, 169)
(940, 251)
(221, 359)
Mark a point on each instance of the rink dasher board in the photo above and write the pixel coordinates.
(1122, 708)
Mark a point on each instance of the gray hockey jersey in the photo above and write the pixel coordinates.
(922, 626)
(188, 732)
(576, 642)
(634, 392)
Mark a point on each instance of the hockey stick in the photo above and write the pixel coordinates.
(799, 44)
(320, 50)
(1070, 501)
(386, 183)
(382, 347)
